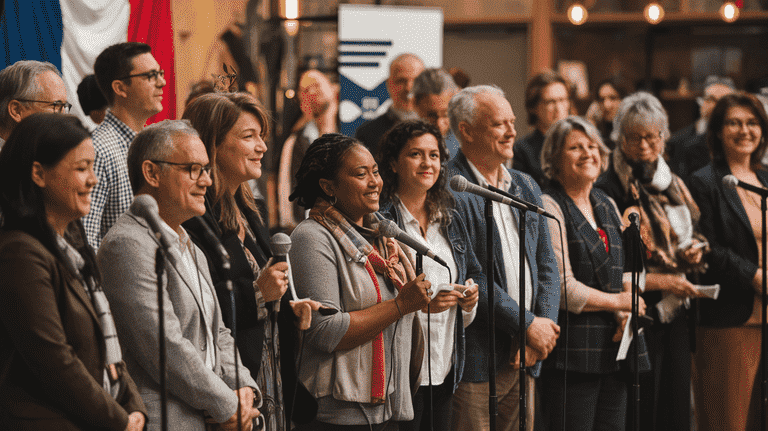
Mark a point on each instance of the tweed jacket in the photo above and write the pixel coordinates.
(590, 346)
(545, 278)
(127, 261)
(467, 267)
(734, 258)
(52, 349)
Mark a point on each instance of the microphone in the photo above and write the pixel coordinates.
(280, 244)
(390, 229)
(461, 184)
(145, 206)
(531, 207)
(732, 182)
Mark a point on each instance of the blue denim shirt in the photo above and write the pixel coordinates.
(544, 275)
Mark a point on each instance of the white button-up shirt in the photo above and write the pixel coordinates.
(441, 325)
(510, 240)
(190, 264)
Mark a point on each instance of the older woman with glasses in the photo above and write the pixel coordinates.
(728, 341)
(640, 181)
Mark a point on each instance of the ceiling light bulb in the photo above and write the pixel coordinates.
(729, 12)
(577, 14)
(654, 13)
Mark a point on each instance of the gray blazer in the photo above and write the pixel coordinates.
(126, 259)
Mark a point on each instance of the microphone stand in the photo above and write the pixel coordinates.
(159, 269)
(231, 288)
(521, 306)
(492, 399)
(419, 270)
(763, 333)
(634, 257)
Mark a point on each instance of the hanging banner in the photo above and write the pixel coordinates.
(370, 37)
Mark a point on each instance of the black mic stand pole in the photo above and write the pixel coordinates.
(419, 270)
(634, 257)
(521, 306)
(225, 265)
(492, 399)
(159, 269)
(763, 333)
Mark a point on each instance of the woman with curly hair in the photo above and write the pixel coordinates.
(416, 198)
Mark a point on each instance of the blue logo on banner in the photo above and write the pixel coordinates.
(367, 100)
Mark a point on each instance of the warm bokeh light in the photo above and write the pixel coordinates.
(654, 13)
(291, 9)
(290, 93)
(577, 14)
(292, 27)
(729, 12)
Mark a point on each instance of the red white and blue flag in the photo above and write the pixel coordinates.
(71, 34)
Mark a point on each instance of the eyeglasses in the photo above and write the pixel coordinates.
(195, 169)
(58, 106)
(651, 139)
(150, 75)
(738, 124)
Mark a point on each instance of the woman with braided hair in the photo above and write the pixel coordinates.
(358, 361)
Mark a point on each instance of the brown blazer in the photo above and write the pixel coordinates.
(52, 351)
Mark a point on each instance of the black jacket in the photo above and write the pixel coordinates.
(733, 260)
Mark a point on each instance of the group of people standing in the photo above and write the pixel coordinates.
(368, 340)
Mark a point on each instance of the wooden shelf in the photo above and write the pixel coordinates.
(516, 20)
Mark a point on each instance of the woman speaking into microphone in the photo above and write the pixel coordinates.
(233, 127)
(356, 362)
(412, 157)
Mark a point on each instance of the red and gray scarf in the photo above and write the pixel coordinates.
(385, 257)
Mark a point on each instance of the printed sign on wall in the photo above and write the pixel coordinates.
(370, 37)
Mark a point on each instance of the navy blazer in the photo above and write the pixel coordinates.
(544, 272)
(467, 267)
(734, 258)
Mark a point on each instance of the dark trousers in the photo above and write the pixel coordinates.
(441, 407)
(665, 391)
(594, 402)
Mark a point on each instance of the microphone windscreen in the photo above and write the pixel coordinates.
(280, 244)
(388, 228)
(730, 182)
(459, 183)
(144, 206)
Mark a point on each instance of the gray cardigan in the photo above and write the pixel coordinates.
(341, 381)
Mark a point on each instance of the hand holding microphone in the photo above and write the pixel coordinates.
(413, 296)
(302, 308)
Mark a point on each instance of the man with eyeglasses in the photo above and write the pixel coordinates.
(547, 100)
(687, 149)
(28, 87)
(168, 162)
(132, 82)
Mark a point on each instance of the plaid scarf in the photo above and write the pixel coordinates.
(394, 265)
(662, 242)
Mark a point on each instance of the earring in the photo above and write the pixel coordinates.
(333, 200)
